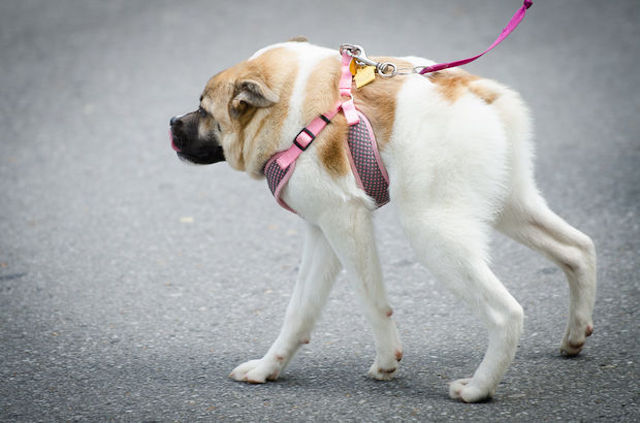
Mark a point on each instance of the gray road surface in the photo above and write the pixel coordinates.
(131, 284)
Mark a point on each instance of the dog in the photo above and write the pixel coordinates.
(458, 152)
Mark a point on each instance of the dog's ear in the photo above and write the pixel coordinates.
(251, 93)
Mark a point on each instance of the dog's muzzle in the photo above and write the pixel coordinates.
(189, 146)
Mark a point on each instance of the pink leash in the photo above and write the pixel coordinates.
(511, 26)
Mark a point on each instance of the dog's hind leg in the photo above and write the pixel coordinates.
(529, 220)
(317, 274)
(350, 231)
(453, 245)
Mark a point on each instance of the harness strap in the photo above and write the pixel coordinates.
(511, 26)
(348, 107)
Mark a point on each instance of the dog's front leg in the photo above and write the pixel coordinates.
(350, 232)
(318, 271)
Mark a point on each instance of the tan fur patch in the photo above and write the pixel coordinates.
(454, 83)
(260, 126)
(377, 101)
(485, 93)
(332, 147)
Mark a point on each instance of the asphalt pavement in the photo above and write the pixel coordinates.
(131, 284)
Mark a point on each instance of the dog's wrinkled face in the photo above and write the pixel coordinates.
(214, 132)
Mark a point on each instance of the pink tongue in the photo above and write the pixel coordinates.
(173, 145)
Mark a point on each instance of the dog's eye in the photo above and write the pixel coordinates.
(202, 112)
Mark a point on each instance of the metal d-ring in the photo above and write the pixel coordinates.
(352, 49)
(383, 69)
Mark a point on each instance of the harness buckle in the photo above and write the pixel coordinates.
(310, 134)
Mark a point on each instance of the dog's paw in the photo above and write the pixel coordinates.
(255, 371)
(467, 391)
(385, 369)
(380, 373)
(574, 339)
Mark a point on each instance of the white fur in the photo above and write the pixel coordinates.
(457, 170)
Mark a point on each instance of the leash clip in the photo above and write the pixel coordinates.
(357, 53)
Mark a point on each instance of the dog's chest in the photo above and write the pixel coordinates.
(364, 158)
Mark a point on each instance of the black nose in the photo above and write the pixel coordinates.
(175, 121)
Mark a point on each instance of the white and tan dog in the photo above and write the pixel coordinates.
(458, 152)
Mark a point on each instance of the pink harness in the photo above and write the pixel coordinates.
(364, 158)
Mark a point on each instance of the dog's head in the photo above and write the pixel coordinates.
(240, 113)
(224, 107)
